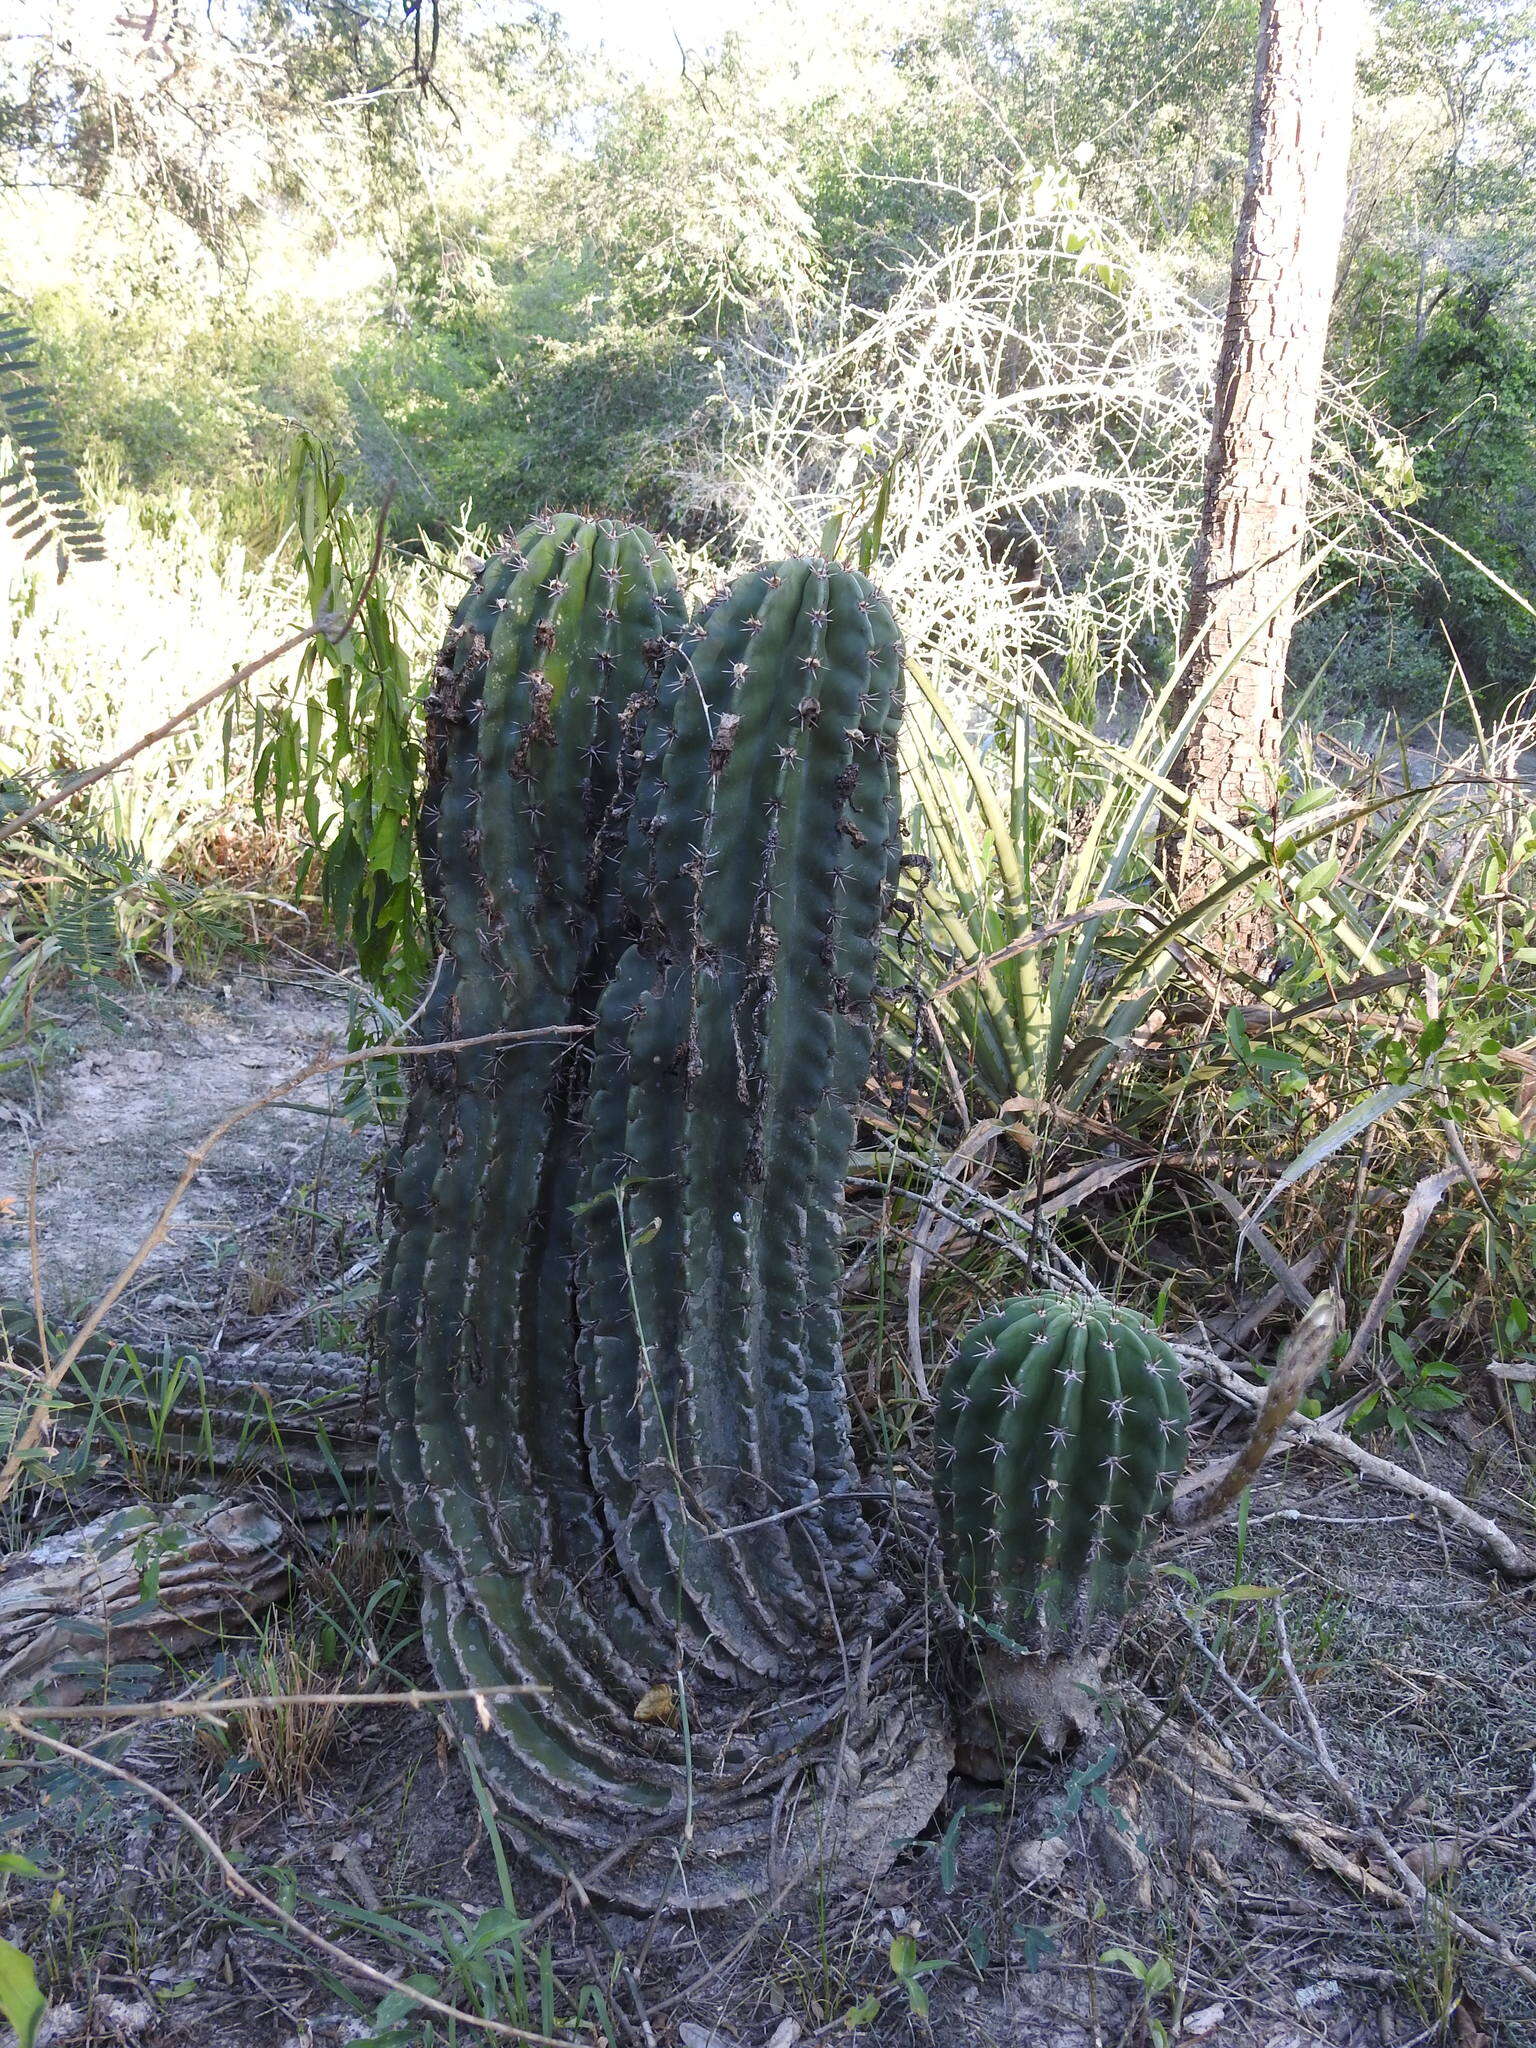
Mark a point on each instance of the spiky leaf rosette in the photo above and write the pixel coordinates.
(1061, 1429)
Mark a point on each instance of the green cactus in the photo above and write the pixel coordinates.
(549, 656)
(609, 1324)
(1061, 1429)
(731, 1047)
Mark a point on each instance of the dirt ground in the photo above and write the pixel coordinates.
(129, 1084)
(1194, 1872)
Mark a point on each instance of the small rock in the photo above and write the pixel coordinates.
(1039, 1862)
(1431, 1861)
(1198, 2024)
(692, 2035)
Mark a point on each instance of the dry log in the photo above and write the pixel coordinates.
(140, 1582)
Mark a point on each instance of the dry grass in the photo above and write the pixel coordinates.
(288, 1743)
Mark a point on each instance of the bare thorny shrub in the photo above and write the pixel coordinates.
(1037, 391)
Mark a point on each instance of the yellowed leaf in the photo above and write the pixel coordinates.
(658, 1703)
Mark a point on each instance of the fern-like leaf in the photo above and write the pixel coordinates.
(40, 495)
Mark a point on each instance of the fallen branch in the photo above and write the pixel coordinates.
(308, 1426)
(1506, 1552)
(215, 1706)
(1431, 1904)
(1309, 1834)
(131, 1584)
(1298, 1828)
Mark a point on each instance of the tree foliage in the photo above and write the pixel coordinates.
(40, 491)
(492, 268)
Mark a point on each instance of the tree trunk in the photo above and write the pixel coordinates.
(1253, 514)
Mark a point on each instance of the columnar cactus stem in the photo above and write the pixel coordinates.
(737, 1034)
(1061, 1430)
(610, 1328)
(560, 634)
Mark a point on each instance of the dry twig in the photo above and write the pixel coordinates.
(238, 1882)
(1502, 1547)
(1205, 1494)
(28, 1438)
(328, 625)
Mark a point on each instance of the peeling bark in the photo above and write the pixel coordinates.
(139, 1583)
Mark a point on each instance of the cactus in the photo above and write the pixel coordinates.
(609, 1324)
(556, 644)
(732, 1044)
(1061, 1429)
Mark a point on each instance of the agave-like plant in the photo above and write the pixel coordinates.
(1051, 928)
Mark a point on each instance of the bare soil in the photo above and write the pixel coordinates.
(128, 1086)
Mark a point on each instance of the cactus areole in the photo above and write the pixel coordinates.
(609, 1325)
(1061, 1429)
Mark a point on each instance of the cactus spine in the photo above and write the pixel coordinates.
(1061, 1429)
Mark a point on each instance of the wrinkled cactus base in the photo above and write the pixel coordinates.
(832, 1810)
(1014, 1708)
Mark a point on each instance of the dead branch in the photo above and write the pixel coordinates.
(328, 624)
(1506, 1552)
(1417, 1210)
(1262, 1243)
(215, 1706)
(1040, 935)
(129, 1584)
(1298, 1828)
(1430, 1903)
(103, 769)
(935, 1227)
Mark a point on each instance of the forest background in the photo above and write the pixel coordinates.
(548, 275)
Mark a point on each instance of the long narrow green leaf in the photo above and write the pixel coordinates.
(1354, 1123)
